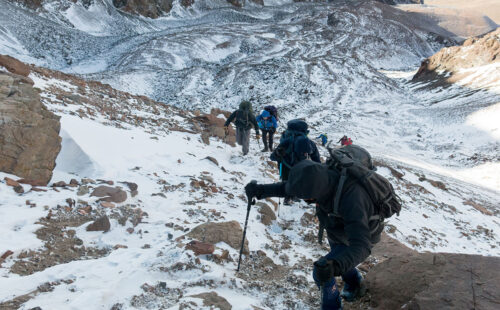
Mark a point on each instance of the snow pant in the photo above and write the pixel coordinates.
(284, 172)
(243, 138)
(331, 294)
(267, 138)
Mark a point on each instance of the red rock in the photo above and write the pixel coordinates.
(11, 182)
(36, 189)
(200, 248)
(32, 182)
(6, 254)
(106, 204)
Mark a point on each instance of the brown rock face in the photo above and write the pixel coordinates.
(148, 8)
(213, 126)
(14, 66)
(29, 133)
(228, 232)
(474, 52)
(434, 280)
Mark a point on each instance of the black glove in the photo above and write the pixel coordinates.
(325, 270)
(252, 190)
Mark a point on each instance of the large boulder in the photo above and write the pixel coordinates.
(213, 300)
(228, 232)
(109, 194)
(29, 133)
(433, 280)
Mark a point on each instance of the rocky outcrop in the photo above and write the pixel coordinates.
(149, 8)
(14, 66)
(433, 280)
(29, 133)
(228, 232)
(212, 125)
(474, 52)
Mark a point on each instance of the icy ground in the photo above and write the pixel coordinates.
(440, 214)
(346, 68)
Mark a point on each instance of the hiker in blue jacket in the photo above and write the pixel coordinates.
(267, 124)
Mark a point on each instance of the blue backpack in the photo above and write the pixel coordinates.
(294, 142)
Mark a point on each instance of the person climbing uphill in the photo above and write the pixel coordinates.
(345, 141)
(267, 124)
(243, 120)
(352, 201)
(294, 147)
(324, 139)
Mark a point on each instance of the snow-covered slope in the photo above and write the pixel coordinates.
(142, 261)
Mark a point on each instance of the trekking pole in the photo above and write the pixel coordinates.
(249, 206)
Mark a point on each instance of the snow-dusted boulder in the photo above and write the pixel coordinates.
(29, 133)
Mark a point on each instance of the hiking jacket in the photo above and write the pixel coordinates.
(244, 120)
(308, 180)
(267, 124)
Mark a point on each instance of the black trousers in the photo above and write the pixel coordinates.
(267, 138)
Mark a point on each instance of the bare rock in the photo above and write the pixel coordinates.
(101, 224)
(11, 182)
(83, 190)
(110, 194)
(267, 215)
(106, 204)
(19, 189)
(148, 8)
(212, 160)
(200, 248)
(29, 133)
(132, 186)
(228, 232)
(478, 207)
(14, 66)
(213, 300)
(434, 280)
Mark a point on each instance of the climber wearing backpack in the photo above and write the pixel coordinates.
(267, 124)
(294, 147)
(243, 120)
(352, 201)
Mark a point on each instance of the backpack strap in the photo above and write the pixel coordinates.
(336, 202)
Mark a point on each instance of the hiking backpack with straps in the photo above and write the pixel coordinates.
(295, 129)
(355, 165)
(243, 115)
(272, 110)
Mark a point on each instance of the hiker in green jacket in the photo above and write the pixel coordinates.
(243, 120)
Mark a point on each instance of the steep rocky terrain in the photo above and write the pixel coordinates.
(145, 207)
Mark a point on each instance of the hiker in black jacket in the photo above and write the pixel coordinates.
(243, 120)
(351, 233)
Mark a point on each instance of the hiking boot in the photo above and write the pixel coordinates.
(351, 294)
(265, 149)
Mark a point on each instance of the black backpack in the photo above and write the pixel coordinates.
(355, 165)
(244, 115)
(272, 110)
(296, 129)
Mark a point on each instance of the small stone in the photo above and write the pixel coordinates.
(11, 182)
(106, 204)
(73, 183)
(101, 224)
(200, 248)
(130, 230)
(83, 190)
(120, 246)
(60, 184)
(87, 181)
(36, 189)
(212, 160)
(146, 246)
(85, 210)
(170, 236)
(19, 189)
